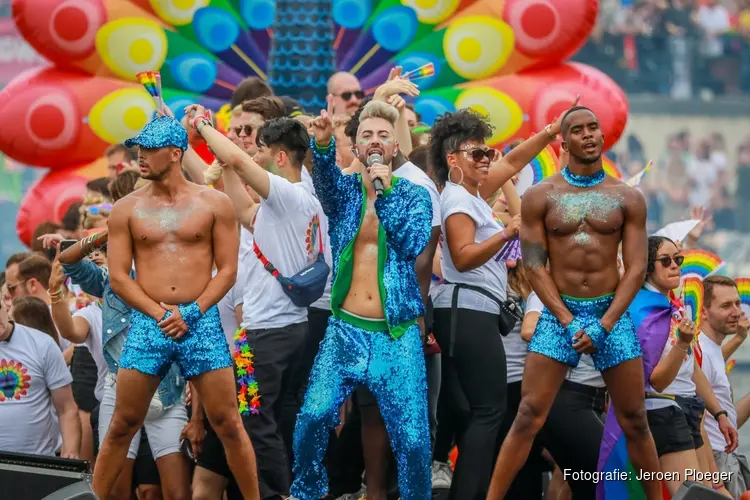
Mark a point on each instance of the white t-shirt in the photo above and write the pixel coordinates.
(286, 230)
(31, 365)
(516, 347)
(324, 302)
(716, 19)
(492, 275)
(682, 385)
(229, 302)
(246, 243)
(714, 366)
(93, 316)
(413, 173)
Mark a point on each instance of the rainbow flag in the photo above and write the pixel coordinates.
(743, 286)
(652, 316)
(151, 81)
(421, 72)
(637, 178)
(700, 263)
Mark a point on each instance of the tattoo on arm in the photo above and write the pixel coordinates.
(533, 254)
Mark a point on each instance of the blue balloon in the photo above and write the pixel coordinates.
(430, 107)
(216, 29)
(351, 14)
(178, 105)
(417, 60)
(395, 28)
(193, 72)
(258, 14)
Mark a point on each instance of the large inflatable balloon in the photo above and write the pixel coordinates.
(49, 198)
(204, 48)
(521, 104)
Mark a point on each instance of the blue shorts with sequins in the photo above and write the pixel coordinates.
(551, 340)
(202, 349)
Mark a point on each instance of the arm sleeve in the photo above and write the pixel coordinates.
(405, 212)
(327, 177)
(283, 196)
(88, 276)
(56, 374)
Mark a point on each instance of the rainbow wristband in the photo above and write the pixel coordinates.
(190, 313)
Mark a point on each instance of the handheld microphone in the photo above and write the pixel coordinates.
(372, 160)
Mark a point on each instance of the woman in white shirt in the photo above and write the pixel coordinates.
(674, 411)
(468, 308)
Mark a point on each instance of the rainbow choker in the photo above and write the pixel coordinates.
(583, 181)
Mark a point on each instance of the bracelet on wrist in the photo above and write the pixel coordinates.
(677, 345)
(720, 413)
(548, 129)
(58, 293)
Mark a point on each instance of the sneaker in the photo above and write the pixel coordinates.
(360, 495)
(442, 476)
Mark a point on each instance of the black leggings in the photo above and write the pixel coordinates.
(476, 374)
(573, 432)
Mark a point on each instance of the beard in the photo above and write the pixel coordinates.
(589, 160)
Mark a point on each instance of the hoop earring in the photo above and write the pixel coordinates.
(450, 171)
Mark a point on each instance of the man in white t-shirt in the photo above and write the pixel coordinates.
(35, 385)
(720, 318)
(286, 237)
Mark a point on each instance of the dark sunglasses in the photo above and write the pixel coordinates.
(477, 154)
(666, 261)
(348, 95)
(247, 128)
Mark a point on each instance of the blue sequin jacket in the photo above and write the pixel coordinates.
(405, 214)
(94, 280)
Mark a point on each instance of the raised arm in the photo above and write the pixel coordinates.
(512, 199)
(244, 205)
(194, 166)
(534, 252)
(405, 212)
(520, 156)
(735, 341)
(74, 329)
(668, 367)
(226, 244)
(326, 175)
(120, 262)
(390, 92)
(634, 257)
(233, 156)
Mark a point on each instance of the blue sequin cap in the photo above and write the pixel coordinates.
(161, 132)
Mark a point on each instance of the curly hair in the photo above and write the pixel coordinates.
(450, 131)
(654, 244)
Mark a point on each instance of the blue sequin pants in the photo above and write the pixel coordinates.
(394, 371)
(620, 345)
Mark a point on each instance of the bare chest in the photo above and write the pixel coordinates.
(152, 225)
(368, 232)
(598, 212)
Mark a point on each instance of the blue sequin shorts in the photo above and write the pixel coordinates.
(202, 349)
(551, 340)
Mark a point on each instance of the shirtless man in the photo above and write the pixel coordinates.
(173, 231)
(577, 219)
(373, 338)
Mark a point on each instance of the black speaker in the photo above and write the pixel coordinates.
(34, 477)
(690, 490)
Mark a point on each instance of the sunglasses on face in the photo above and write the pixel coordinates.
(247, 128)
(477, 154)
(99, 209)
(348, 95)
(666, 261)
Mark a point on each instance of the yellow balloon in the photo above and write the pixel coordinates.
(477, 47)
(121, 114)
(502, 111)
(130, 45)
(177, 12)
(432, 11)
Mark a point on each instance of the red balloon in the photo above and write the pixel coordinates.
(48, 200)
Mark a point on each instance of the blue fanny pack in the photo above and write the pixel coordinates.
(306, 286)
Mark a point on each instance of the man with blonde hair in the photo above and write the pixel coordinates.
(373, 338)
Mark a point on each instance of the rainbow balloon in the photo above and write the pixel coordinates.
(692, 296)
(743, 286)
(700, 263)
(610, 168)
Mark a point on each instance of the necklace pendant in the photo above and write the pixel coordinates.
(583, 181)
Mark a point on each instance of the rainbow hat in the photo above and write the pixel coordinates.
(700, 263)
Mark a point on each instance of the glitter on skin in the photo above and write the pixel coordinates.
(576, 207)
(582, 238)
(166, 218)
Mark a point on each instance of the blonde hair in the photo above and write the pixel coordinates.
(379, 109)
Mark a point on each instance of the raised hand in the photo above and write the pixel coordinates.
(382, 172)
(397, 102)
(322, 126)
(396, 85)
(196, 113)
(556, 126)
(57, 276)
(686, 331)
(51, 240)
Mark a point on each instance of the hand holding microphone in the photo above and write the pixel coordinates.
(380, 174)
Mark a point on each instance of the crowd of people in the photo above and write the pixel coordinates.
(346, 306)
(679, 48)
